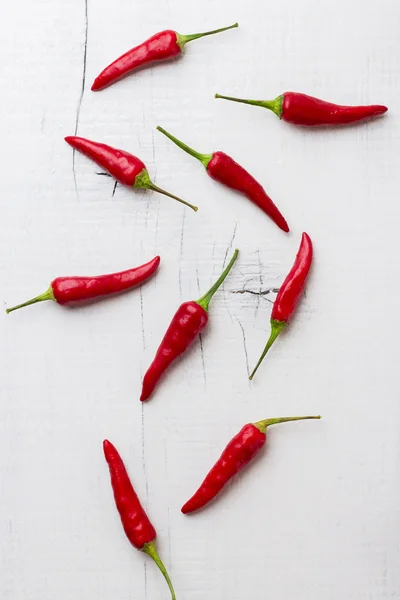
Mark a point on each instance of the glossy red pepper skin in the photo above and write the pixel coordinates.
(237, 455)
(307, 111)
(137, 526)
(225, 170)
(188, 321)
(74, 289)
(289, 294)
(123, 166)
(239, 452)
(65, 290)
(162, 46)
(293, 286)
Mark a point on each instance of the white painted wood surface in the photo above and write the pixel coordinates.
(318, 516)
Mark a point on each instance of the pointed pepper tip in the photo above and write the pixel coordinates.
(185, 509)
(106, 446)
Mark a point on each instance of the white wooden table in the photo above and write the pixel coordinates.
(318, 516)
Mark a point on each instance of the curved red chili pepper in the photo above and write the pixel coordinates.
(123, 166)
(237, 455)
(301, 109)
(161, 46)
(65, 290)
(137, 526)
(188, 321)
(289, 294)
(224, 169)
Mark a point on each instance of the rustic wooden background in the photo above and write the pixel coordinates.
(318, 516)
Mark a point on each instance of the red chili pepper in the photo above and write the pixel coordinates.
(188, 321)
(238, 453)
(301, 109)
(65, 290)
(289, 294)
(224, 169)
(161, 46)
(123, 166)
(137, 526)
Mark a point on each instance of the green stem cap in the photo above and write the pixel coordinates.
(203, 158)
(143, 181)
(262, 425)
(48, 295)
(151, 550)
(276, 328)
(275, 105)
(204, 301)
(182, 40)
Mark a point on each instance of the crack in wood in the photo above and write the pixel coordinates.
(78, 110)
(226, 255)
(230, 243)
(114, 188)
(202, 359)
(245, 348)
(261, 282)
(200, 335)
(261, 293)
(103, 174)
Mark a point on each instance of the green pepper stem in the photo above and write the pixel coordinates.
(204, 158)
(143, 181)
(182, 40)
(205, 300)
(155, 188)
(275, 105)
(48, 295)
(262, 425)
(151, 550)
(276, 328)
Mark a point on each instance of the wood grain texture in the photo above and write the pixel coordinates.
(318, 516)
